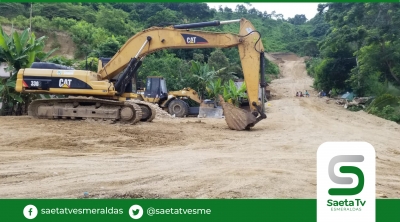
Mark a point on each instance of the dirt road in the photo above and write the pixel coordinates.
(180, 158)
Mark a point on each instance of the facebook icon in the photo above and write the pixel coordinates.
(30, 211)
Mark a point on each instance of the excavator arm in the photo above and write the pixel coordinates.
(251, 53)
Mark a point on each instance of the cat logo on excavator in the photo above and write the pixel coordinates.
(193, 39)
(65, 83)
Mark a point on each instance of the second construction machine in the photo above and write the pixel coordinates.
(95, 95)
(175, 103)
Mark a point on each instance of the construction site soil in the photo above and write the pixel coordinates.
(192, 157)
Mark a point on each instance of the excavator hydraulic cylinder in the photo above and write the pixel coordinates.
(263, 83)
(204, 24)
(129, 72)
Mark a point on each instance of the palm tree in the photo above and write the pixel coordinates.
(18, 51)
(203, 74)
(225, 74)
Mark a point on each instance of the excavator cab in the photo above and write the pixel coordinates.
(156, 88)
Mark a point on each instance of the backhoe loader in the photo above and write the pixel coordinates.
(96, 95)
(175, 103)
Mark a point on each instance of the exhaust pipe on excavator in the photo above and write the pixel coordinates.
(240, 119)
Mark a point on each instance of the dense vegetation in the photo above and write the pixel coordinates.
(102, 28)
(360, 53)
(352, 46)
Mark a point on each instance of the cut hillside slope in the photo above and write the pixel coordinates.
(62, 41)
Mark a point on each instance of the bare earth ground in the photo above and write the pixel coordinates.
(180, 158)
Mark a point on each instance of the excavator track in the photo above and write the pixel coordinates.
(86, 108)
(148, 111)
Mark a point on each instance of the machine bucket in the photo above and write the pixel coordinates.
(207, 110)
(237, 118)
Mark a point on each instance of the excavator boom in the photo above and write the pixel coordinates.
(158, 38)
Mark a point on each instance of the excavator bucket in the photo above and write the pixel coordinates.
(237, 118)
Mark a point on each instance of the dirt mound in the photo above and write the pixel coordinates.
(161, 114)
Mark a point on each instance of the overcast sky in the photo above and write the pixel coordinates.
(286, 9)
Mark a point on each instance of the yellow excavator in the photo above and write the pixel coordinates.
(96, 95)
(175, 103)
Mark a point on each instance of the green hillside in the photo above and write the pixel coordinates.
(100, 29)
(352, 46)
(93, 25)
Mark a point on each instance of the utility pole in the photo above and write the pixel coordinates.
(30, 20)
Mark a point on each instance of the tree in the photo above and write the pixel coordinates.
(298, 19)
(253, 11)
(228, 10)
(126, 7)
(10, 9)
(163, 18)
(241, 9)
(320, 26)
(87, 37)
(113, 19)
(63, 10)
(203, 75)
(334, 70)
(279, 17)
(218, 60)
(370, 33)
(176, 71)
(19, 51)
(198, 57)
(191, 10)
(109, 47)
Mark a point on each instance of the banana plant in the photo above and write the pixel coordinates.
(18, 51)
(215, 88)
(232, 94)
(8, 96)
(203, 74)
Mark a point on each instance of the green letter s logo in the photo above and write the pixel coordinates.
(346, 180)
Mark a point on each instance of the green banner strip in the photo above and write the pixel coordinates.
(175, 210)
